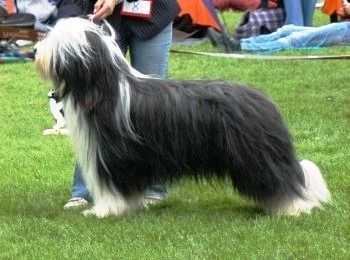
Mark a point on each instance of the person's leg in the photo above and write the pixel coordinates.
(79, 188)
(326, 35)
(80, 195)
(151, 56)
(276, 41)
(308, 7)
(294, 13)
(277, 45)
(282, 32)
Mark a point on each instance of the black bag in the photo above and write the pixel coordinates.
(261, 21)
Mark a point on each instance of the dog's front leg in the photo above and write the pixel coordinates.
(114, 204)
(107, 203)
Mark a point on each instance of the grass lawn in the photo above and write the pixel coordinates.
(195, 222)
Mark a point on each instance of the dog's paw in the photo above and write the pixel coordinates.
(93, 212)
(96, 213)
(101, 211)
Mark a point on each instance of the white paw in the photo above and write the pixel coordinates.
(101, 211)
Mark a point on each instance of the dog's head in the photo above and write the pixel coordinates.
(78, 54)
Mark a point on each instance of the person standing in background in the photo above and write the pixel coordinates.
(299, 12)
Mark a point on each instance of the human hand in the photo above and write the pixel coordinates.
(347, 10)
(102, 9)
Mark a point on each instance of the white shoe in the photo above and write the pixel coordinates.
(76, 203)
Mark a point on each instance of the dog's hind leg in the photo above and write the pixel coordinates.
(283, 187)
(314, 193)
(262, 160)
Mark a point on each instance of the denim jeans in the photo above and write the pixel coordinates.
(299, 12)
(79, 188)
(149, 57)
(299, 37)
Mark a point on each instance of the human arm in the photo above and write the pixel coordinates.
(102, 9)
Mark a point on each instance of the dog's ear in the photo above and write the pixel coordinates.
(90, 72)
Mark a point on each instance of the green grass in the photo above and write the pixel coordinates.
(195, 222)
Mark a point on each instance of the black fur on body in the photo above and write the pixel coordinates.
(197, 128)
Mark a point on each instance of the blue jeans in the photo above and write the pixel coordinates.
(299, 37)
(299, 12)
(149, 57)
(79, 188)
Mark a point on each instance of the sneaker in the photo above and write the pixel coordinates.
(154, 195)
(76, 203)
(152, 200)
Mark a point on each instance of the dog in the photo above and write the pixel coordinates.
(130, 131)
